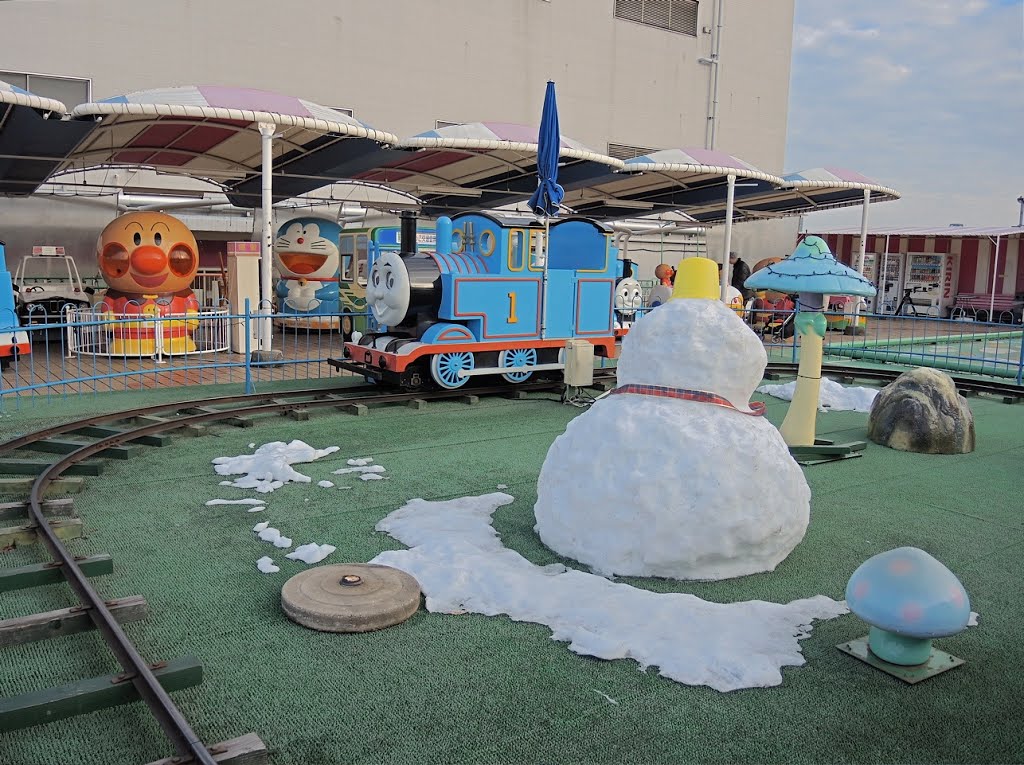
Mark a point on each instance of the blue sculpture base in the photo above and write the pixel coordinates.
(936, 663)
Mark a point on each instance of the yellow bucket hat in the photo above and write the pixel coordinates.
(697, 278)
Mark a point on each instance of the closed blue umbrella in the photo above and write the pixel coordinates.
(546, 198)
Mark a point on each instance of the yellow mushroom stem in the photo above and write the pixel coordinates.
(799, 426)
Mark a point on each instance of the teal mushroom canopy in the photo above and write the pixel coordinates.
(811, 268)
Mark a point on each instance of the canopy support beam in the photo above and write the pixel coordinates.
(861, 255)
(267, 131)
(729, 201)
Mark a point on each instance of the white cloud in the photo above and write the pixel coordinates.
(929, 105)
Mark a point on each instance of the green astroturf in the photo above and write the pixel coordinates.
(474, 689)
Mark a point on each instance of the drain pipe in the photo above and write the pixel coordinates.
(714, 61)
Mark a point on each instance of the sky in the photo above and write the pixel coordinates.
(923, 96)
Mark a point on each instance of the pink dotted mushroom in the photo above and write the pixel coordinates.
(908, 598)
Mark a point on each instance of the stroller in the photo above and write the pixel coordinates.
(774, 321)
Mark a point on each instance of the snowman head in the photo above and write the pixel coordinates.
(697, 344)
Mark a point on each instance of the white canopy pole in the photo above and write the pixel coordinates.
(861, 254)
(995, 271)
(543, 250)
(728, 238)
(267, 131)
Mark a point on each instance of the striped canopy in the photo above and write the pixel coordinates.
(670, 180)
(482, 165)
(34, 140)
(212, 132)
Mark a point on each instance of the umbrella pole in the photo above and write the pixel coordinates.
(730, 198)
(995, 272)
(544, 280)
(861, 255)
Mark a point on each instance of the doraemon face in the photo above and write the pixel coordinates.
(304, 253)
(388, 289)
(629, 296)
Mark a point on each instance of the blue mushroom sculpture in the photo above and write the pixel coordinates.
(908, 598)
(813, 274)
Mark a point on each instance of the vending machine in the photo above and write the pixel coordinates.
(924, 278)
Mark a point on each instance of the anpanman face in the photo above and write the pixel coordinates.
(147, 253)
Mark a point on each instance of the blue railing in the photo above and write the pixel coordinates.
(86, 352)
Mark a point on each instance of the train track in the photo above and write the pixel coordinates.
(110, 432)
(149, 425)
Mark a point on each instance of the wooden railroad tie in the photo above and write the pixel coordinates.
(345, 405)
(21, 486)
(36, 467)
(64, 446)
(191, 429)
(17, 536)
(294, 411)
(416, 403)
(98, 431)
(67, 621)
(238, 422)
(50, 507)
(86, 696)
(244, 750)
(39, 574)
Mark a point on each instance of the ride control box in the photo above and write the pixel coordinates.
(579, 363)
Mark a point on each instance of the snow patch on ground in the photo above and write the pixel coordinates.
(311, 553)
(461, 565)
(361, 469)
(371, 477)
(325, 484)
(266, 565)
(272, 535)
(269, 467)
(832, 397)
(360, 461)
(213, 502)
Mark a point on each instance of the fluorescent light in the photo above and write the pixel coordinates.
(455, 191)
(630, 204)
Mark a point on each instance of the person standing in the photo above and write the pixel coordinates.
(740, 273)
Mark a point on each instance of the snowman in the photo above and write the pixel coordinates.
(674, 474)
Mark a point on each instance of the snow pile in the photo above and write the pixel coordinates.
(266, 565)
(832, 396)
(325, 484)
(269, 467)
(361, 469)
(461, 565)
(269, 534)
(652, 486)
(311, 553)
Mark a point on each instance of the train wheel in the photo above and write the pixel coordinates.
(445, 368)
(518, 357)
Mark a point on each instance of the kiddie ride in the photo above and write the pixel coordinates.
(484, 303)
(14, 341)
(47, 282)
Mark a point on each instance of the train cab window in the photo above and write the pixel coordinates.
(347, 249)
(487, 242)
(362, 250)
(516, 250)
(457, 240)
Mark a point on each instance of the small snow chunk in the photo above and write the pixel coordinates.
(266, 565)
(371, 477)
(832, 397)
(502, 486)
(344, 487)
(972, 620)
(273, 536)
(269, 467)
(252, 446)
(257, 509)
(225, 483)
(360, 461)
(361, 469)
(311, 553)
(260, 526)
(325, 484)
(601, 693)
(213, 502)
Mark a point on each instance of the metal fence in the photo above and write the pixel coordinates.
(85, 352)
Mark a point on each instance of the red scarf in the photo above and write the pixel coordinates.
(757, 407)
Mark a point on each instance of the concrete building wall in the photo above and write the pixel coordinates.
(401, 65)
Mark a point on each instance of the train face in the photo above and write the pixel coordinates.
(14, 341)
(476, 305)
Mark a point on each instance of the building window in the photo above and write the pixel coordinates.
(674, 15)
(343, 110)
(70, 91)
(438, 124)
(624, 151)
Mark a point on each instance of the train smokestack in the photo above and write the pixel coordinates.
(408, 232)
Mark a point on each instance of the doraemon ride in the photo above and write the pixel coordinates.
(149, 259)
(388, 290)
(306, 253)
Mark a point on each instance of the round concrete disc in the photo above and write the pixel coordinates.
(350, 597)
